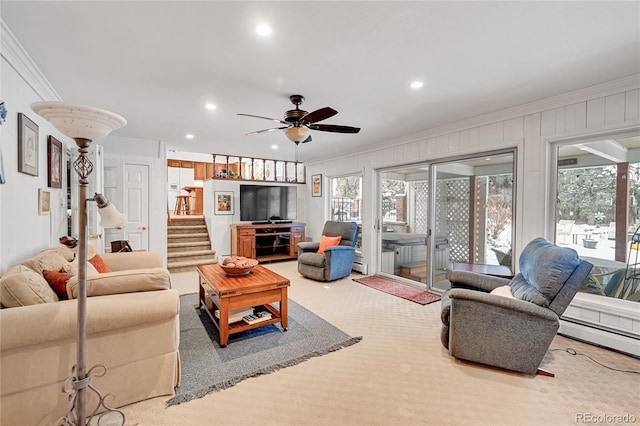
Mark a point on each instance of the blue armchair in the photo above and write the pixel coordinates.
(336, 262)
(512, 330)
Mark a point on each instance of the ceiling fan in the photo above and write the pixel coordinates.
(297, 122)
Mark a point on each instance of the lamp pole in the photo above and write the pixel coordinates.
(83, 168)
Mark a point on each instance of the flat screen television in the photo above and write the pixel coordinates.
(268, 203)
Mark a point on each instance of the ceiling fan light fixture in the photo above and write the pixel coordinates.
(296, 134)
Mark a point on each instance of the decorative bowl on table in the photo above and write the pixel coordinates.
(238, 265)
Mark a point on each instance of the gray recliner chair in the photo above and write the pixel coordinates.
(513, 331)
(337, 261)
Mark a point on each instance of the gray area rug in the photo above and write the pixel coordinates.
(206, 367)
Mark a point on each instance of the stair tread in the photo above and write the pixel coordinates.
(199, 234)
(190, 253)
(191, 263)
(173, 227)
(188, 244)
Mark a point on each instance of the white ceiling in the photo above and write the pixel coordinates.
(158, 63)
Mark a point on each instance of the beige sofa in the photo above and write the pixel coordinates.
(132, 329)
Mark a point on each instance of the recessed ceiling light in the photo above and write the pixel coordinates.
(263, 30)
(274, 146)
(210, 106)
(189, 136)
(416, 85)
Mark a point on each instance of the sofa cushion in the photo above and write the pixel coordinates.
(522, 290)
(66, 252)
(58, 282)
(21, 286)
(312, 259)
(72, 268)
(50, 260)
(326, 241)
(131, 281)
(99, 264)
(504, 291)
(544, 268)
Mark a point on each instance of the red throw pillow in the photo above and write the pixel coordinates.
(328, 242)
(58, 282)
(99, 264)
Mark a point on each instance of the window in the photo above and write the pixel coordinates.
(346, 201)
(597, 213)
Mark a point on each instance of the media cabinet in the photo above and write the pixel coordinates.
(266, 242)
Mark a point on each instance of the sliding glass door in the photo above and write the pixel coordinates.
(403, 224)
(434, 215)
(472, 213)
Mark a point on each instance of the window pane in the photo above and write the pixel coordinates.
(346, 200)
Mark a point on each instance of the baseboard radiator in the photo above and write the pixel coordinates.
(359, 266)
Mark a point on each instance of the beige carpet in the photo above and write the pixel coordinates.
(399, 374)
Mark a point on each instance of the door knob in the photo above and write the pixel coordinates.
(144, 228)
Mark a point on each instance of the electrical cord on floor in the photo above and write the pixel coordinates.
(572, 351)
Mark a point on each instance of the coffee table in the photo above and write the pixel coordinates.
(258, 289)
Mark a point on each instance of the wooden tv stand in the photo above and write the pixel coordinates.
(266, 242)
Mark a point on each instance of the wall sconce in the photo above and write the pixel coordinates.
(84, 124)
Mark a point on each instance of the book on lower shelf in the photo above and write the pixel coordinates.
(236, 315)
(257, 317)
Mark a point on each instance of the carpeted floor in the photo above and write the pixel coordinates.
(400, 375)
(398, 289)
(206, 367)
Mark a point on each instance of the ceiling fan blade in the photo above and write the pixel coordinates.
(264, 118)
(334, 128)
(265, 130)
(319, 115)
(308, 139)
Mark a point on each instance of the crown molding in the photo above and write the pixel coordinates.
(624, 84)
(13, 52)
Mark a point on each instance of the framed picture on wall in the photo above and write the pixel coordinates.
(27, 146)
(316, 185)
(54, 161)
(224, 202)
(44, 201)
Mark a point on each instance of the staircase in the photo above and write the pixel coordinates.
(188, 243)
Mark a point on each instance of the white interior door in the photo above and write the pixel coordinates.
(112, 185)
(136, 205)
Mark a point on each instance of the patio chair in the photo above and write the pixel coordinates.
(564, 228)
(504, 259)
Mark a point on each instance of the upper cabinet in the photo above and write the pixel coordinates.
(199, 171)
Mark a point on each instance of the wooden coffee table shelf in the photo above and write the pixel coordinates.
(260, 288)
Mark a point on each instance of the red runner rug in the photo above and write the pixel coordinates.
(398, 289)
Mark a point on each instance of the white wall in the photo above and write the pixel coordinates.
(22, 231)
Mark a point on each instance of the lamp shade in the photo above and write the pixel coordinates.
(110, 217)
(296, 134)
(77, 121)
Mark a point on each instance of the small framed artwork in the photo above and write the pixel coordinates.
(224, 202)
(44, 201)
(27, 146)
(316, 185)
(54, 157)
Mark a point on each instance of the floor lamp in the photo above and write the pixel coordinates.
(84, 124)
